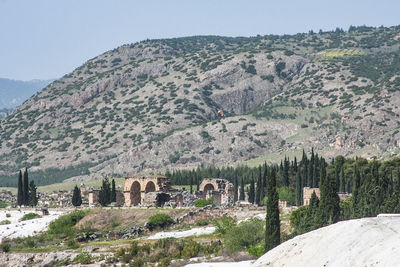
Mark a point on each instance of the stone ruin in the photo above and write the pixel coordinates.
(154, 191)
(221, 190)
(307, 192)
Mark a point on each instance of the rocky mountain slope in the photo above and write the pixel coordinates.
(157, 104)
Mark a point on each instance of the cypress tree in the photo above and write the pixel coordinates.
(76, 197)
(20, 194)
(191, 185)
(33, 198)
(311, 169)
(113, 197)
(105, 193)
(295, 164)
(286, 172)
(241, 197)
(299, 190)
(329, 209)
(259, 187)
(26, 188)
(398, 179)
(342, 181)
(263, 183)
(316, 171)
(235, 186)
(252, 191)
(272, 230)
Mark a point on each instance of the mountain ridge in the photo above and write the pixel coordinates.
(153, 105)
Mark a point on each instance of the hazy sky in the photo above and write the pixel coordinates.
(42, 39)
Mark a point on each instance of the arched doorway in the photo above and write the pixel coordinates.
(150, 187)
(135, 193)
(208, 187)
(162, 198)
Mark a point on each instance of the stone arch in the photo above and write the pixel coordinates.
(150, 187)
(208, 187)
(135, 196)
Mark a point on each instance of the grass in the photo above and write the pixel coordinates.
(342, 53)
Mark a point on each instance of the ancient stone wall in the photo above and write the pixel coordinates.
(136, 187)
(307, 192)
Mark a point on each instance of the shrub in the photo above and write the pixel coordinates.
(71, 243)
(4, 222)
(297, 215)
(224, 225)
(83, 258)
(203, 202)
(5, 247)
(246, 234)
(190, 249)
(8, 215)
(30, 216)
(257, 251)
(64, 224)
(159, 220)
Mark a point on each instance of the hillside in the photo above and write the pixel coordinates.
(154, 105)
(362, 242)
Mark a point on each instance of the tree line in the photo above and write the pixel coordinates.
(26, 192)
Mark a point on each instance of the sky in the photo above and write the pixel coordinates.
(45, 39)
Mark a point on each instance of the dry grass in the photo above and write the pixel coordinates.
(103, 219)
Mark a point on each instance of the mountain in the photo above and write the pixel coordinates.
(13, 92)
(158, 105)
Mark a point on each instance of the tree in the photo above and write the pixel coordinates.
(105, 193)
(76, 197)
(235, 186)
(191, 184)
(263, 183)
(20, 194)
(259, 187)
(26, 188)
(252, 191)
(113, 192)
(242, 196)
(286, 172)
(33, 198)
(272, 230)
(329, 208)
(299, 190)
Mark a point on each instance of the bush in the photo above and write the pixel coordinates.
(83, 258)
(244, 235)
(257, 251)
(30, 216)
(224, 225)
(159, 220)
(8, 215)
(4, 222)
(64, 224)
(203, 202)
(297, 215)
(5, 247)
(190, 249)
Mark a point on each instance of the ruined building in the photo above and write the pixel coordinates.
(221, 190)
(151, 191)
(307, 192)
